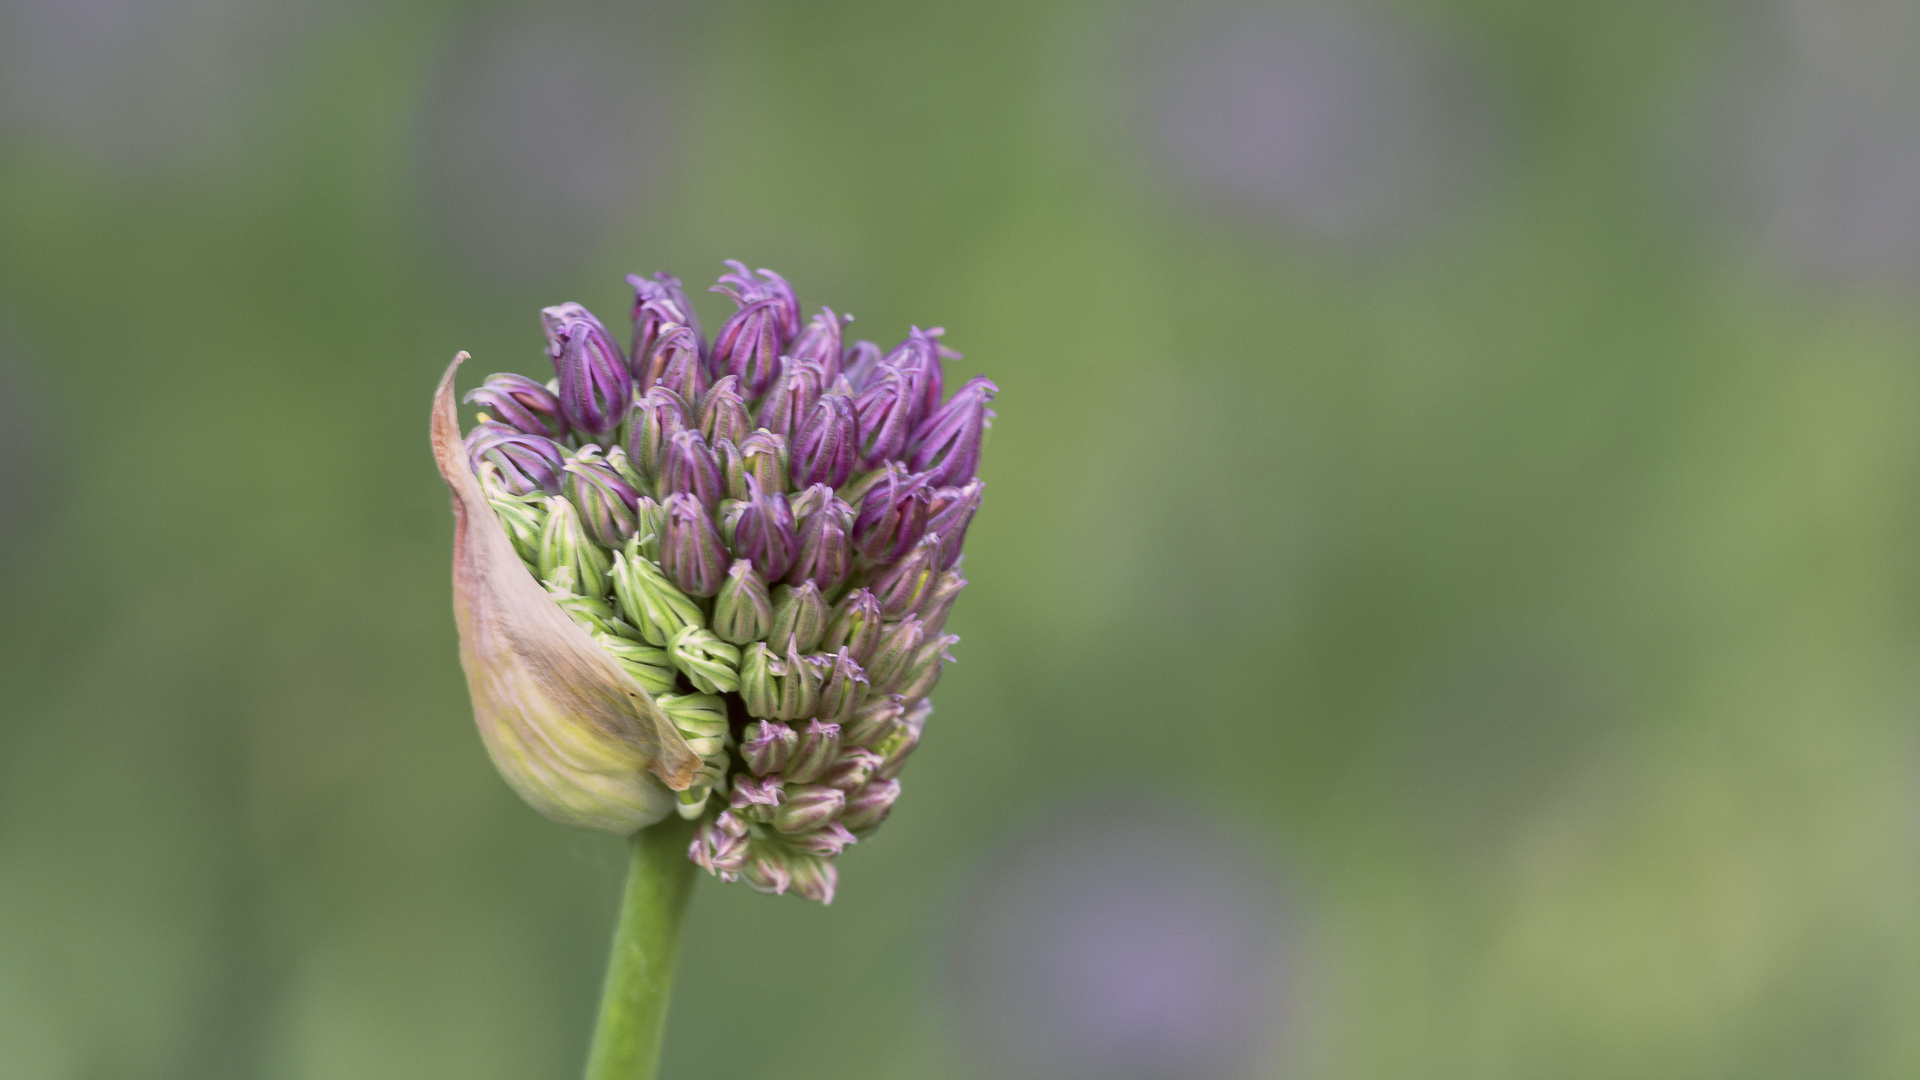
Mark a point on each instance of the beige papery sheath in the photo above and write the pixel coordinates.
(564, 723)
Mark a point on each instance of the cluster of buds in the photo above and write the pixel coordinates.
(763, 533)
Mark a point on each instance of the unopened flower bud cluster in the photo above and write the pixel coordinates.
(764, 530)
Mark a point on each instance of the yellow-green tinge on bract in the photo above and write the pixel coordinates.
(568, 728)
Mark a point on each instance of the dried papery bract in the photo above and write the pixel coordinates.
(568, 728)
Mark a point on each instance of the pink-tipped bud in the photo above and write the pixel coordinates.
(845, 687)
(819, 745)
(767, 746)
(807, 807)
(826, 841)
(869, 806)
(873, 722)
(813, 877)
(899, 642)
(902, 587)
(852, 769)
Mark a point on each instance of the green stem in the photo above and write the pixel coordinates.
(633, 1005)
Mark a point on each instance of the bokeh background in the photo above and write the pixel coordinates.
(1445, 606)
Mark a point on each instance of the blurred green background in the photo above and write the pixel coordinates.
(1461, 454)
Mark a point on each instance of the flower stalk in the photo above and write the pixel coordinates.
(633, 1003)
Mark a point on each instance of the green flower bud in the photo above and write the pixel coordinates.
(742, 612)
(799, 616)
(710, 664)
(692, 803)
(899, 643)
(893, 750)
(852, 769)
(563, 542)
(524, 519)
(759, 685)
(649, 521)
(845, 687)
(800, 681)
(617, 458)
(648, 666)
(733, 471)
(593, 614)
(764, 457)
(924, 670)
(874, 721)
(939, 601)
(702, 718)
(869, 806)
(856, 626)
(648, 600)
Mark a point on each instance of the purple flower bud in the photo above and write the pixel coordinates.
(756, 798)
(767, 745)
(918, 357)
(869, 806)
(760, 680)
(527, 463)
(799, 616)
(924, 670)
(748, 346)
(676, 365)
(825, 555)
(690, 469)
(946, 445)
(596, 388)
(819, 745)
(939, 602)
(720, 846)
(826, 841)
(859, 361)
(827, 443)
(845, 687)
(690, 551)
(813, 877)
(871, 723)
(820, 340)
(856, 626)
(521, 404)
(743, 611)
(767, 868)
(894, 750)
(885, 414)
(900, 587)
(658, 417)
(656, 303)
(952, 510)
(899, 642)
(852, 769)
(764, 533)
(723, 415)
(893, 517)
(764, 455)
(808, 807)
(608, 505)
(788, 405)
(743, 289)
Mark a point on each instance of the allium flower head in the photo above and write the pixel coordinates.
(712, 579)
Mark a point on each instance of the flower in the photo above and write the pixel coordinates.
(712, 578)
